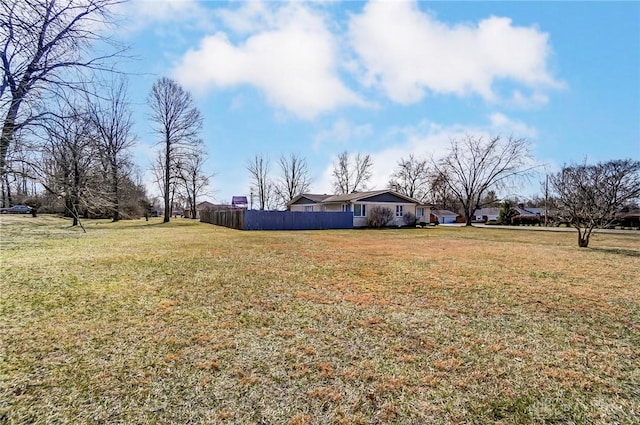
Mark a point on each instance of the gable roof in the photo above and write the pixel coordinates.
(204, 205)
(309, 197)
(486, 211)
(386, 195)
(372, 196)
(444, 213)
(238, 201)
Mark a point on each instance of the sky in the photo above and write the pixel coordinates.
(388, 79)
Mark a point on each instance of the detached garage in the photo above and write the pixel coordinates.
(443, 216)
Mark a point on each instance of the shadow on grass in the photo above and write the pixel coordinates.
(173, 223)
(619, 251)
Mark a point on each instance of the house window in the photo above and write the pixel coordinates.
(419, 212)
(346, 208)
(399, 210)
(359, 210)
(308, 208)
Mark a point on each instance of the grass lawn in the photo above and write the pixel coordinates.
(145, 323)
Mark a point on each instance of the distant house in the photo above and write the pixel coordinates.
(443, 216)
(208, 206)
(360, 204)
(486, 214)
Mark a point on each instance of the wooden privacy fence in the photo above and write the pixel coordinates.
(278, 220)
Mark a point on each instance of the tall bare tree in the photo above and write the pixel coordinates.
(475, 165)
(411, 178)
(351, 174)
(193, 178)
(45, 49)
(590, 196)
(439, 192)
(69, 167)
(178, 122)
(111, 119)
(294, 178)
(261, 185)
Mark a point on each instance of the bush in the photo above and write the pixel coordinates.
(507, 213)
(409, 219)
(379, 217)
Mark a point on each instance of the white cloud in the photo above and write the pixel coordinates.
(520, 100)
(426, 140)
(408, 53)
(503, 125)
(140, 14)
(293, 63)
(341, 132)
(251, 17)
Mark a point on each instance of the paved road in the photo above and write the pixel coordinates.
(547, 229)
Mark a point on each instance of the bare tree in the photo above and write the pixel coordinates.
(411, 178)
(177, 121)
(439, 192)
(261, 184)
(69, 167)
(44, 48)
(194, 180)
(590, 196)
(158, 173)
(351, 175)
(475, 165)
(294, 178)
(111, 119)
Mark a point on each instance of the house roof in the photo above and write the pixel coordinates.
(444, 213)
(354, 196)
(310, 197)
(487, 211)
(204, 205)
(239, 200)
(531, 211)
(373, 195)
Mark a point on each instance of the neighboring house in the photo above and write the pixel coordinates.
(208, 206)
(239, 202)
(360, 204)
(486, 214)
(528, 216)
(308, 203)
(443, 216)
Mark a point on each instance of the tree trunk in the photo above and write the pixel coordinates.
(583, 237)
(116, 194)
(167, 177)
(8, 131)
(5, 181)
(468, 216)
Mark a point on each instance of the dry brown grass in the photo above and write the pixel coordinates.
(191, 323)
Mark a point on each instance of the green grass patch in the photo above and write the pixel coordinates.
(144, 322)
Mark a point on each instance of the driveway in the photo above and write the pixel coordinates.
(552, 229)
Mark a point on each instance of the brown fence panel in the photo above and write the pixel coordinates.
(227, 218)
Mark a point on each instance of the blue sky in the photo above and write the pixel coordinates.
(389, 79)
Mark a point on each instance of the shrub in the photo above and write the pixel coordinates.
(379, 217)
(409, 219)
(507, 213)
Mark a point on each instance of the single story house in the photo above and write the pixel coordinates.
(486, 214)
(207, 206)
(360, 204)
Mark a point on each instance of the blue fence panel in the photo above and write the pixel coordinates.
(294, 220)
